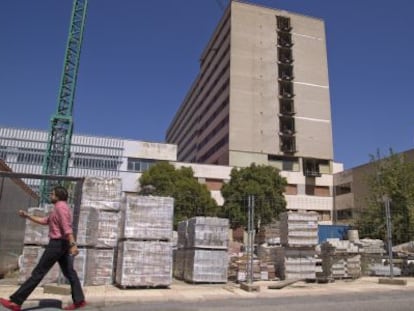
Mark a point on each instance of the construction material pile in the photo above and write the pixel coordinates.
(298, 236)
(201, 255)
(35, 240)
(145, 249)
(262, 271)
(269, 234)
(340, 259)
(100, 213)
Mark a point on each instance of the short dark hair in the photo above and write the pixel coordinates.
(61, 193)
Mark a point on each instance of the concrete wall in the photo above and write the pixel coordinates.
(14, 195)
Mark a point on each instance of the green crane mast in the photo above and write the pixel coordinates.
(57, 155)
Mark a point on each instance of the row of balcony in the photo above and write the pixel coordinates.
(285, 77)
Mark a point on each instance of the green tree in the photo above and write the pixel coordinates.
(190, 197)
(393, 178)
(261, 181)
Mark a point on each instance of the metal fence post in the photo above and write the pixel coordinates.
(250, 238)
(389, 233)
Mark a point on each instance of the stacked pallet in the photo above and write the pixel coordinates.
(29, 259)
(145, 249)
(340, 259)
(298, 236)
(203, 243)
(98, 229)
(372, 252)
(262, 271)
(269, 234)
(35, 240)
(295, 263)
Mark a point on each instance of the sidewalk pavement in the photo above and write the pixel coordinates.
(99, 296)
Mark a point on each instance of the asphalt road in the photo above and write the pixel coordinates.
(383, 301)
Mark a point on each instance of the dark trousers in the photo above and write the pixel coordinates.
(56, 251)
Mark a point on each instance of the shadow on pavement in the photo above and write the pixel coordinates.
(46, 303)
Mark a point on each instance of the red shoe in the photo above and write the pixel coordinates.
(76, 305)
(10, 305)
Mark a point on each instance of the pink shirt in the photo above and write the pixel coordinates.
(59, 221)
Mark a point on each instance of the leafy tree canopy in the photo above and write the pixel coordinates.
(190, 197)
(393, 178)
(261, 181)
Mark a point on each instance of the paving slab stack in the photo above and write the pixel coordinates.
(340, 259)
(145, 247)
(269, 234)
(202, 250)
(98, 229)
(35, 240)
(372, 252)
(299, 237)
(262, 271)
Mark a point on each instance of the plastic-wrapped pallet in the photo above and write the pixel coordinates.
(269, 233)
(148, 218)
(113, 206)
(102, 189)
(79, 264)
(206, 266)
(99, 267)
(208, 232)
(144, 263)
(340, 259)
(29, 259)
(299, 229)
(83, 237)
(353, 266)
(295, 263)
(103, 228)
(36, 234)
(267, 253)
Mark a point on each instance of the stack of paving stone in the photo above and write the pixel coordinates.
(372, 252)
(340, 259)
(262, 271)
(29, 259)
(203, 243)
(298, 236)
(269, 234)
(35, 240)
(145, 248)
(98, 229)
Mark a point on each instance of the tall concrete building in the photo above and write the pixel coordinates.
(262, 94)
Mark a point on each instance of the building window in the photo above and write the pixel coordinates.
(343, 189)
(315, 167)
(30, 156)
(139, 165)
(344, 214)
(94, 161)
(284, 163)
(291, 189)
(320, 191)
(3, 153)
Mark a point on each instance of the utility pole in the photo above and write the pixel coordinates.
(248, 286)
(387, 202)
(250, 238)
